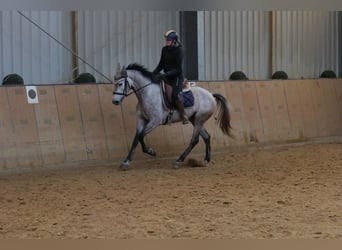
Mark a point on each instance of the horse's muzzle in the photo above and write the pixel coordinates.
(115, 102)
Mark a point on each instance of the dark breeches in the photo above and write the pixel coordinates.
(176, 88)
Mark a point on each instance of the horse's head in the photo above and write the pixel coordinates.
(121, 86)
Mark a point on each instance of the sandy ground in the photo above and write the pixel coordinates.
(283, 193)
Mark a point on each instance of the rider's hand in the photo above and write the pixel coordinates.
(159, 77)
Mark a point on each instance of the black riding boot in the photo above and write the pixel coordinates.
(180, 107)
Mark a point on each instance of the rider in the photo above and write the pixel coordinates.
(171, 60)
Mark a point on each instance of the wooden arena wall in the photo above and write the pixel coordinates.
(78, 124)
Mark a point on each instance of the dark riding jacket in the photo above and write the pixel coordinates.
(171, 61)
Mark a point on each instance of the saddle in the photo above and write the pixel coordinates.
(187, 95)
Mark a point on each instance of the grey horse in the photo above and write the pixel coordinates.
(151, 112)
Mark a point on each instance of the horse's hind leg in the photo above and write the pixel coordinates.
(192, 144)
(206, 138)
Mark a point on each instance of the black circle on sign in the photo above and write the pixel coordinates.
(32, 94)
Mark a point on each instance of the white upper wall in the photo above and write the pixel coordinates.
(110, 37)
(27, 51)
(301, 43)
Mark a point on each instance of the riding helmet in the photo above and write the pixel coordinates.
(171, 35)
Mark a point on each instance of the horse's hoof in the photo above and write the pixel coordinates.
(151, 151)
(205, 163)
(124, 166)
(177, 164)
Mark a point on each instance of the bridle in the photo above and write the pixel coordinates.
(127, 87)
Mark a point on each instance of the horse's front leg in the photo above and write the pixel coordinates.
(139, 136)
(148, 128)
(125, 164)
(145, 149)
(143, 128)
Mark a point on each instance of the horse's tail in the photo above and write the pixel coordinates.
(223, 115)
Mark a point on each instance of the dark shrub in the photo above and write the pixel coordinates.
(238, 75)
(280, 75)
(328, 74)
(14, 79)
(85, 78)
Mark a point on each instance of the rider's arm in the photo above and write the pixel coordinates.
(177, 71)
(160, 65)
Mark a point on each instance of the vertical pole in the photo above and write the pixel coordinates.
(270, 60)
(74, 41)
(339, 45)
(188, 33)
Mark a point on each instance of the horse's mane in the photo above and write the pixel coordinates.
(141, 69)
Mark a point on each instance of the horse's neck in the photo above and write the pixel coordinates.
(145, 90)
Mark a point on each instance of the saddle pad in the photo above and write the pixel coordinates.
(188, 98)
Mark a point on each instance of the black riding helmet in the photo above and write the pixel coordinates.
(172, 35)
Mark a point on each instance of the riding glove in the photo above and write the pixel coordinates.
(159, 77)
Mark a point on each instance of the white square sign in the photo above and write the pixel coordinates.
(32, 95)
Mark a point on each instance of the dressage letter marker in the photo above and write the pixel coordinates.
(31, 92)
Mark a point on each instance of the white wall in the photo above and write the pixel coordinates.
(108, 37)
(305, 43)
(301, 43)
(27, 51)
(233, 41)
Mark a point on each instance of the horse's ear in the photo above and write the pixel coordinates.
(118, 68)
(123, 71)
(118, 72)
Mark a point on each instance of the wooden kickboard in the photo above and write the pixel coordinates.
(113, 119)
(319, 105)
(71, 123)
(268, 117)
(338, 92)
(50, 134)
(25, 128)
(334, 123)
(307, 108)
(294, 108)
(156, 138)
(117, 148)
(251, 107)
(113, 123)
(204, 85)
(92, 120)
(281, 112)
(174, 135)
(239, 123)
(8, 156)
